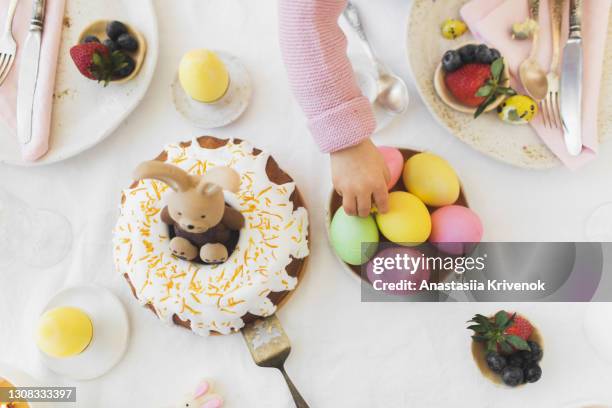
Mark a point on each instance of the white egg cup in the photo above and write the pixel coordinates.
(110, 333)
(224, 111)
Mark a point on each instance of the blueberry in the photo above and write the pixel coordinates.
(535, 353)
(468, 53)
(129, 67)
(114, 29)
(532, 373)
(451, 61)
(91, 38)
(516, 360)
(483, 54)
(111, 45)
(512, 376)
(495, 54)
(495, 361)
(127, 42)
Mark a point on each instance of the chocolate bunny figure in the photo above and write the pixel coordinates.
(196, 210)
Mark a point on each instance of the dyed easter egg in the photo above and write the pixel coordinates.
(407, 222)
(347, 233)
(396, 265)
(454, 228)
(395, 163)
(432, 179)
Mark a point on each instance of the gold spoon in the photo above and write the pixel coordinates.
(532, 75)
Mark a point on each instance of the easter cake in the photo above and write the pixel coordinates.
(245, 269)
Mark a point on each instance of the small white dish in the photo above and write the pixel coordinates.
(224, 111)
(110, 333)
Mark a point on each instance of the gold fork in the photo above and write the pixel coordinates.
(549, 106)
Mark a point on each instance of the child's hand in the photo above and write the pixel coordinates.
(360, 173)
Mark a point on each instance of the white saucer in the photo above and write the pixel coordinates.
(228, 108)
(110, 333)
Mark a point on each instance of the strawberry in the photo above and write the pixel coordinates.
(478, 85)
(95, 61)
(503, 333)
(520, 327)
(465, 82)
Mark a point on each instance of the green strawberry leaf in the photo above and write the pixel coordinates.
(501, 318)
(506, 347)
(497, 67)
(518, 343)
(484, 105)
(479, 339)
(492, 345)
(485, 90)
(506, 91)
(478, 328)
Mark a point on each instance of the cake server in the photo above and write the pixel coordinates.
(571, 82)
(28, 73)
(270, 347)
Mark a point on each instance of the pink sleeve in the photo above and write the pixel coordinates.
(321, 75)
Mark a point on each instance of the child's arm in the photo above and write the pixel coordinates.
(340, 118)
(320, 73)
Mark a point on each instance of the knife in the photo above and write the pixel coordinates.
(571, 82)
(28, 73)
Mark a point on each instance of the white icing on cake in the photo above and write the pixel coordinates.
(213, 297)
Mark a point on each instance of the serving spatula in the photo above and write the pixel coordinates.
(270, 347)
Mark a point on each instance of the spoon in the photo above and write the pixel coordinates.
(532, 75)
(392, 90)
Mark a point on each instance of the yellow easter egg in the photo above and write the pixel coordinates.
(203, 76)
(432, 179)
(407, 222)
(64, 332)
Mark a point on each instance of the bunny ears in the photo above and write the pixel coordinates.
(179, 180)
(203, 399)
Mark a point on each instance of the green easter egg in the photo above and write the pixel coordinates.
(347, 235)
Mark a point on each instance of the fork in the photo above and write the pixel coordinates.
(8, 46)
(550, 105)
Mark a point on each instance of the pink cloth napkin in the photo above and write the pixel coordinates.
(43, 102)
(491, 21)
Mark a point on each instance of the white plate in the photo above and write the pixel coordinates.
(84, 112)
(111, 333)
(517, 145)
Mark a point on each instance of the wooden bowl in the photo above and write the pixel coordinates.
(335, 202)
(448, 98)
(98, 28)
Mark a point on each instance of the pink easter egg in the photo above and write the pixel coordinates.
(395, 162)
(455, 229)
(398, 266)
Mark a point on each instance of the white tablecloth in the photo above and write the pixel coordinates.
(345, 353)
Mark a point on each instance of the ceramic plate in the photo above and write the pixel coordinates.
(517, 145)
(85, 113)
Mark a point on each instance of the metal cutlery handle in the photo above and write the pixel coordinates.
(10, 14)
(575, 27)
(351, 13)
(38, 15)
(297, 397)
